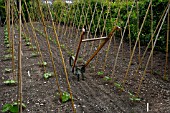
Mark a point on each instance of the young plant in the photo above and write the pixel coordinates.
(100, 73)
(107, 78)
(42, 64)
(7, 45)
(27, 39)
(65, 97)
(13, 108)
(8, 70)
(47, 75)
(8, 50)
(10, 82)
(8, 57)
(118, 86)
(34, 54)
(63, 46)
(28, 43)
(133, 97)
(33, 47)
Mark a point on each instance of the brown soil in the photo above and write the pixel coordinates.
(94, 95)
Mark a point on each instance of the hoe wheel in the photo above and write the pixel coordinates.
(71, 61)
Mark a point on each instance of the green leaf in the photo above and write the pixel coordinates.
(134, 99)
(47, 75)
(7, 70)
(100, 73)
(106, 78)
(130, 94)
(14, 109)
(9, 82)
(117, 85)
(65, 97)
(28, 43)
(6, 107)
(44, 63)
(23, 105)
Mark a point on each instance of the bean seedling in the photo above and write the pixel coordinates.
(133, 97)
(119, 86)
(13, 108)
(100, 73)
(47, 75)
(107, 78)
(65, 97)
(42, 64)
(10, 82)
(8, 70)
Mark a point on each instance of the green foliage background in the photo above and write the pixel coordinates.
(76, 13)
(76, 10)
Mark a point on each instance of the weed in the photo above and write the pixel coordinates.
(13, 108)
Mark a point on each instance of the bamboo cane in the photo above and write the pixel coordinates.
(167, 46)
(34, 35)
(125, 77)
(144, 73)
(117, 55)
(61, 54)
(13, 53)
(108, 10)
(143, 56)
(49, 47)
(151, 37)
(20, 61)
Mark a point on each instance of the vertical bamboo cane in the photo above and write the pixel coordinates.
(137, 40)
(143, 56)
(151, 37)
(13, 60)
(139, 45)
(34, 35)
(129, 35)
(49, 47)
(19, 62)
(8, 20)
(167, 46)
(61, 54)
(144, 73)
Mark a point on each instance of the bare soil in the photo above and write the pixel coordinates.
(94, 94)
